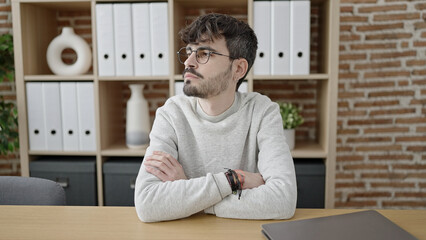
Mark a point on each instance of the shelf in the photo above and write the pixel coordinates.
(61, 153)
(133, 78)
(30, 78)
(120, 149)
(319, 76)
(308, 150)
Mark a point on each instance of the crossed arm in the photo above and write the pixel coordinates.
(167, 168)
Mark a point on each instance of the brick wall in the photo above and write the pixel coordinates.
(381, 150)
(381, 141)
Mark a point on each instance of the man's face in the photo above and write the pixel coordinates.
(209, 79)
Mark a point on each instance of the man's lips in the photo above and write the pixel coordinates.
(190, 75)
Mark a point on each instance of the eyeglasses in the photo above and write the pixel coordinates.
(202, 55)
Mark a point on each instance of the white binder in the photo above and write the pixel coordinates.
(262, 28)
(280, 39)
(105, 39)
(243, 87)
(300, 37)
(35, 112)
(159, 38)
(69, 112)
(179, 88)
(123, 42)
(141, 39)
(86, 116)
(52, 117)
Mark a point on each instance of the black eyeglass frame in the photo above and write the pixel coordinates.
(196, 58)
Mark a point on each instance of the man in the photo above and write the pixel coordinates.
(216, 142)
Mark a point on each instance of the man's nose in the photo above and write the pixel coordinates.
(191, 61)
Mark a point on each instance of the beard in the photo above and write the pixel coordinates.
(209, 87)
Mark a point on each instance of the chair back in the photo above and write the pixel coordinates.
(30, 191)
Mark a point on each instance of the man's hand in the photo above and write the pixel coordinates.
(251, 180)
(164, 166)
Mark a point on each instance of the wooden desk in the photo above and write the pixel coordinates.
(56, 222)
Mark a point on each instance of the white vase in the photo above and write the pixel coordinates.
(68, 39)
(137, 118)
(290, 137)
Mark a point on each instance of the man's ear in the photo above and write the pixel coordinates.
(241, 66)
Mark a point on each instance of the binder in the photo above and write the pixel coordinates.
(159, 38)
(35, 111)
(123, 42)
(52, 117)
(105, 39)
(300, 37)
(86, 116)
(69, 110)
(243, 87)
(280, 39)
(179, 88)
(262, 28)
(141, 39)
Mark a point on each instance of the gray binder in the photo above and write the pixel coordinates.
(363, 225)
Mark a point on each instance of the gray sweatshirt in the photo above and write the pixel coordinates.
(248, 136)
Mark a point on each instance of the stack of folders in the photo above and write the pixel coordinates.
(283, 33)
(61, 116)
(132, 39)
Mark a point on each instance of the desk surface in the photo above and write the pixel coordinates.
(58, 222)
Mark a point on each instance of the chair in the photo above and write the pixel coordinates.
(30, 191)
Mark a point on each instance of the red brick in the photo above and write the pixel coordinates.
(421, 129)
(380, 65)
(346, 9)
(420, 6)
(393, 184)
(411, 139)
(351, 95)
(352, 113)
(379, 27)
(411, 194)
(419, 82)
(349, 158)
(377, 103)
(391, 93)
(369, 194)
(355, 204)
(391, 157)
(344, 66)
(343, 105)
(382, 8)
(350, 37)
(393, 55)
(409, 166)
(389, 176)
(404, 204)
(369, 139)
(348, 75)
(370, 122)
(392, 111)
(419, 72)
(5, 8)
(347, 131)
(350, 185)
(379, 148)
(345, 175)
(344, 149)
(396, 17)
(388, 36)
(419, 25)
(366, 166)
(352, 56)
(358, 1)
(416, 148)
(411, 120)
(352, 19)
(373, 84)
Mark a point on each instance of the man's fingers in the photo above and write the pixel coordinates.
(157, 173)
(167, 156)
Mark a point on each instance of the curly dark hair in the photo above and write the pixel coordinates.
(240, 38)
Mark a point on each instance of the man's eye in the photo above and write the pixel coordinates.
(202, 54)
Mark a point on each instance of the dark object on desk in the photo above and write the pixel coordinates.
(77, 175)
(119, 181)
(310, 177)
(365, 225)
(30, 191)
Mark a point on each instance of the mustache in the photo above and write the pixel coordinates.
(191, 70)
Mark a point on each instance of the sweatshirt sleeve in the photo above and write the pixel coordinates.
(160, 201)
(276, 199)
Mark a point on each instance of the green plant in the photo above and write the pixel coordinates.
(9, 140)
(290, 115)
